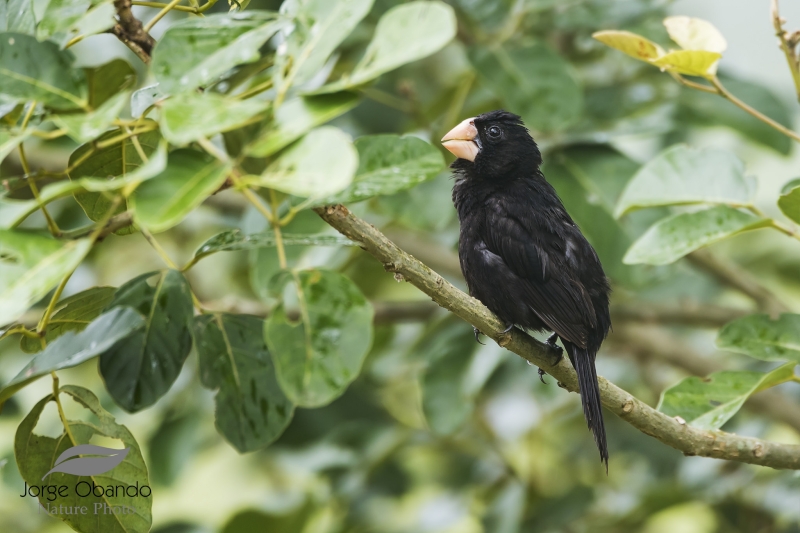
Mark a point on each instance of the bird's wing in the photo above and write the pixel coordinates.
(538, 256)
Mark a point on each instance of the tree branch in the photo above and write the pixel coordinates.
(648, 344)
(670, 431)
(130, 31)
(738, 279)
(788, 43)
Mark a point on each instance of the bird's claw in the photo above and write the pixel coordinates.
(542, 373)
(509, 328)
(558, 351)
(477, 335)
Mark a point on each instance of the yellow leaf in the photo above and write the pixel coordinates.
(695, 34)
(689, 62)
(630, 43)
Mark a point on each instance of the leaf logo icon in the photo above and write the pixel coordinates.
(107, 458)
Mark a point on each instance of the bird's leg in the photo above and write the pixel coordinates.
(508, 328)
(477, 335)
(551, 342)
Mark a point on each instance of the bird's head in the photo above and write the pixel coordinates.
(493, 145)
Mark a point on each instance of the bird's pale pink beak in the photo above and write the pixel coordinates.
(461, 140)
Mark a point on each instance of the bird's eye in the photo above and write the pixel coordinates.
(494, 132)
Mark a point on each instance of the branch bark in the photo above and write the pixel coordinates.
(687, 439)
(130, 31)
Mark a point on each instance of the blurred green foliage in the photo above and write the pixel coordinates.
(315, 393)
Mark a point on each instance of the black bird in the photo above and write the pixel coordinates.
(521, 253)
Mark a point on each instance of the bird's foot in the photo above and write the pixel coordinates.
(508, 328)
(477, 335)
(558, 352)
(542, 374)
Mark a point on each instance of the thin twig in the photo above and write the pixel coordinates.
(160, 15)
(670, 431)
(788, 44)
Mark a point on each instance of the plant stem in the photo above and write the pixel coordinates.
(722, 91)
(153, 21)
(787, 47)
(48, 313)
(61, 414)
(157, 247)
(119, 138)
(260, 88)
(276, 227)
(161, 5)
(51, 224)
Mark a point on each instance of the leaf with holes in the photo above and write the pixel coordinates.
(762, 337)
(251, 409)
(142, 367)
(36, 455)
(707, 403)
(30, 266)
(75, 347)
(319, 355)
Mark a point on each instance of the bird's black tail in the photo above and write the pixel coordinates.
(583, 362)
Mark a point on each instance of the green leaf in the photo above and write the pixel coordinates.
(110, 162)
(251, 409)
(72, 314)
(388, 164)
(233, 240)
(145, 97)
(320, 26)
(85, 127)
(195, 51)
(189, 178)
(405, 33)
(17, 16)
(107, 80)
(446, 400)
(36, 455)
(30, 266)
(681, 175)
(320, 354)
(13, 212)
(789, 202)
(97, 20)
(534, 81)
(763, 338)
(707, 403)
(59, 15)
(10, 140)
(191, 116)
(320, 164)
(673, 237)
(298, 116)
(698, 107)
(75, 347)
(141, 368)
(33, 70)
